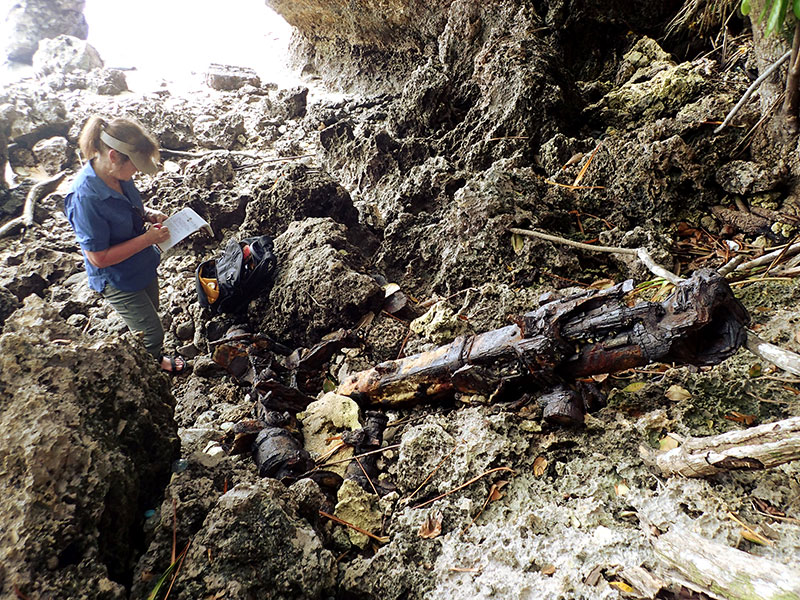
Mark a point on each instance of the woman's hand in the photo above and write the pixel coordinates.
(154, 216)
(157, 233)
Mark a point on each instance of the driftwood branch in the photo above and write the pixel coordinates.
(36, 193)
(753, 87)
(641, 253)
(784, 359)
(749, 449)
(722, 571)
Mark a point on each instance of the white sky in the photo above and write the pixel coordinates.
(170, 39)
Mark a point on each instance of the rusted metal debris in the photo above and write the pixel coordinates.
(279, 377)
(588, 333)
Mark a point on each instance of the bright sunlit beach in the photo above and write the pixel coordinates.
(176, 40)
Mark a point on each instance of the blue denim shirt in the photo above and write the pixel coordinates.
(102, 218)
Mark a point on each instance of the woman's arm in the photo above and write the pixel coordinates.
(123, 251)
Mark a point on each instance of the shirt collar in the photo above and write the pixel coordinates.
(101, 188)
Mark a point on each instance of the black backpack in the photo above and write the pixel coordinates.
(245, 270)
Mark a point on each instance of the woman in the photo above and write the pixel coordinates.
(115, 231)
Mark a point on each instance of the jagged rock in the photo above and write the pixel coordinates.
(64, 54)
(229, 77)
(88, 451)
(440, 324)
(299, 193)
(360, 508)
(651, 85)
(37, 117)
(8, 304)
(294, 102)
(323, 421)
(52, 154)
(206, 171)
(221, 131)
(109, 82)
(30, 21)
(745, 177)
(51, 265)
(3, 158)
(320, 286)
(259, 548)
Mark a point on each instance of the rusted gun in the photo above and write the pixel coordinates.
(547, 350)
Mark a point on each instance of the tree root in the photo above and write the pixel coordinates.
(36, 193)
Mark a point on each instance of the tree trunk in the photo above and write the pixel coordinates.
(792, 100)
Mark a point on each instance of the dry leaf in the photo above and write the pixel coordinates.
(328, 385)
(539, 466)
(741, 418)
(574, 159)
(634, 387)
(756, 538)
(602, 284)
(600, 378)
(517, 242)
(676, 393)
(389, 289)
(432, 527)
(548, 569)
(667, 443)
(621, 586)
(621, 488)
(755, 370)
(593, 578)
(765, 507)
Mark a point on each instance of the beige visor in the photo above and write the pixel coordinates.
(143, 162)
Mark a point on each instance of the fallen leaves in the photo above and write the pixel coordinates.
(634, 387)
(621, 488)
(621, 586)
(548, 570)
(494, 495)
(667, 443)
(750, 534)
(432, 527)
(741, 418)
(539, 466)
(677, 394)
(517, 242)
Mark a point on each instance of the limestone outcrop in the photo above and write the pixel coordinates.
(30, 21)
(89, 443)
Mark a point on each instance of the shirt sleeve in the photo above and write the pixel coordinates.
(92, 230)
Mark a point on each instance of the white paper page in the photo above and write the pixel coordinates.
(181, 225)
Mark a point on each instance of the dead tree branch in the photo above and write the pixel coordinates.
(749, 449)
(753, 87)
(784, 359)
(36, 193)
(724, 572)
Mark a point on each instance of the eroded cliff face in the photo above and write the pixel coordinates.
(377, 45)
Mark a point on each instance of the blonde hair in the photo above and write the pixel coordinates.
(125, 130)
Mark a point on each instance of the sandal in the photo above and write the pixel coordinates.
(176, 368)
